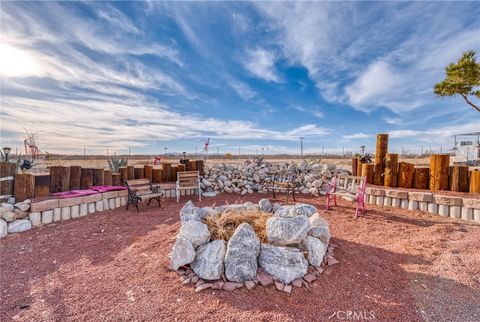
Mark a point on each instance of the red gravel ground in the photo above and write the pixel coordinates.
(395, 264)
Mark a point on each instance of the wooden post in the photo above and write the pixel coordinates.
(173, 174)
(139, 173)
(367, 171)
(59, 179)
(98, 177)
(167, 171)
(24, 187)
(475, 181)
(439, 168)
(192, 165)
(380, 153)
(420, 178)
(405, 174)
(459, 178)
(107, 174)
(123, 175)
(355, 167)
(181, 168)
(116, 179)
(157, 176)
(200, 167)
(148, 172)
(42, 185)
(391, 170)
(131, 172)
(7, 169)
(86, 181)
(75, 177)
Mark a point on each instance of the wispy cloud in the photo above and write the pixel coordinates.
(261, 63)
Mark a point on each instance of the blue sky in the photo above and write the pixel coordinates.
(150, 75)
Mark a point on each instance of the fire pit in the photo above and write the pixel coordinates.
(233, 246)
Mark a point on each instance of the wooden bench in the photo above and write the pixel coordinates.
(142, 190)
(283, 182)
(349, 187)
(187, 180)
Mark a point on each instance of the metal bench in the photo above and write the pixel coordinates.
(349, 187)
(142, 190)
(187, 180)
(283, 182)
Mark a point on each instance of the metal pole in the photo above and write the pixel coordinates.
(301, 146)
(129, 151)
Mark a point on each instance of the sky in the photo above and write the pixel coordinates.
(166, 76)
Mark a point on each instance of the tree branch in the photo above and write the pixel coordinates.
(470, 103)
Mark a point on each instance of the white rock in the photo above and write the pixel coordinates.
(196, 232)
(3, 228)
(22, 206)
(35, 218)
(47, 216)
(19, 226)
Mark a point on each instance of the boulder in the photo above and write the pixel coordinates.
(189, 212)
(241, 256)
(183, 253)
(3, 228)
(210, 194)
(8, 216)
(285, 212)
(317, 220)
(208, 263)
(304, 209)
(265, 205)
(283, 263)
(22, 206)
(6, 207)
(196, 232)
(286, 231)
(19, 226)
(316, 250)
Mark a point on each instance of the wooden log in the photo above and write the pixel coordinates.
(173, 174)
(7, 169)
(157, 176)
(107, 175)
(167, 171)
(86, 181)
(405, 174)
(131, 172)
(139, 173)
(200, 165)
(192, 165)
(459, 178)
(42, 185)
(148, 172)
(181, 167)
(59, 179)
(420, 178)
(391, 170)
(75, 177)
(380, 153)
(24, 187)
(355, 166)
(98, 177)
(367, 171)
(439, 169)
(116, 179)
(123, 175)
(475, 181)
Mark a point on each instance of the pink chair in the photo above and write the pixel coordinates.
(350, 187)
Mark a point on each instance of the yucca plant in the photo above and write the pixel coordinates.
(114, 164)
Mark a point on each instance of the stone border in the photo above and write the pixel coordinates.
(51, 210)
(437, 204)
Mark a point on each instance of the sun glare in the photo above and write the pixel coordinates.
(15, 62)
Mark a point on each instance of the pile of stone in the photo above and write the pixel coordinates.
(14, 217)
(297, 249)
(253, 176)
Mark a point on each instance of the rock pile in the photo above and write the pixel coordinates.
(297, 248)
(254, 175)
(13, 217)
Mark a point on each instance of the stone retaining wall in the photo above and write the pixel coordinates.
(51, 210)
(438, 204)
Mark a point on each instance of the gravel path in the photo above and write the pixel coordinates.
(394, 265)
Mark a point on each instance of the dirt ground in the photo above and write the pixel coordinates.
(395, 265)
